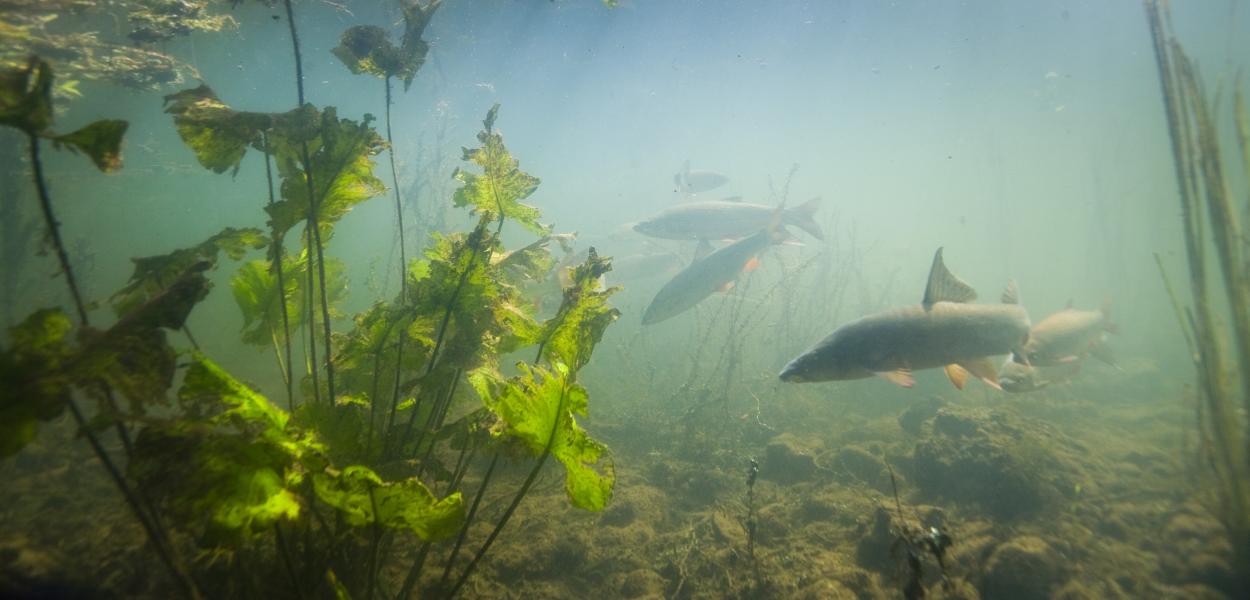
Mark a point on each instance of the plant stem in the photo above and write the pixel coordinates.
(468, 520)
(147, 518)
(315, 236)
(516, 500)
(373, 549)
(403, 258)
(286, 560)
(277, 253)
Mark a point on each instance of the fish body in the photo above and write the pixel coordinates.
(693, 182)
(725, 220)
(1067, 336)
(645, 266)
(716, 272)
(945, 330)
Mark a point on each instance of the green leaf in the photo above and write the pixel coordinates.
(365, 49)
(407, 504)
(101, 140)
(537, 408)
(34, 386)
(342, 171)
(232, 460)
(584, 314)
(154, 273)
(502, 185)
(26, 97)
(220, 136)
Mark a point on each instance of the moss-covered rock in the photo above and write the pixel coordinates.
(1024, 568)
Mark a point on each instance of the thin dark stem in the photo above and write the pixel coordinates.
(373, 549)
(54, 229)
(190, 338)
(311, 346)
(163, 546)
(468, 520)
(414, 573)
(276, 252)
(403, 260)
(286, 560)
(516, 500)
(299, 62)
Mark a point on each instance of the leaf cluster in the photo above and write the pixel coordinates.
(43, 364)
(255, 289)
(501, 186)
(26, 104)
(161, 20)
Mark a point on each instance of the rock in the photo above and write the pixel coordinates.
(860, 464)
(826, 588)
(786, 461)
(643, 583)
(1195, 550)
(912, 420)
(987, 458)
(1025, 568)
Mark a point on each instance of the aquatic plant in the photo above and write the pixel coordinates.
(1223, 373)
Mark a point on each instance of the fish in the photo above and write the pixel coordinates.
(945, 330)
(726, 220)
(717, 271)
(635, 267)
(1069, 336)
(1017, 377)
(693, 182)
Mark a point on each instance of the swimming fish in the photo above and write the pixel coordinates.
(1068, 336)
(945, 330)
(717, 271)
(1016, 377)
(692, 182)
(725, 220)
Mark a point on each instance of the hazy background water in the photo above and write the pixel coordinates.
(1025, 137)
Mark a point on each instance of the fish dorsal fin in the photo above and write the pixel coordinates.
(943, 286)
(1011, 295)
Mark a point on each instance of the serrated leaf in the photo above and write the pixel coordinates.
(501, 186)
(407, 504)
(537, 408)
(34, 386)
(26, 97)
(571, 335)
(153, 274)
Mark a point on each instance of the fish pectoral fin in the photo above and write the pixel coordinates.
(752, 264)
(983, 368)
(725, 287)
(899, 377)
(944, 286)
(958, 376)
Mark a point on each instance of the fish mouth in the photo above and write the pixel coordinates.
(790, 374)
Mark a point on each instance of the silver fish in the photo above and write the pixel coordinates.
(1068, 336)
(1018, 378)
(717, 272)
(725, 220)
(692, 182)
(945, 330)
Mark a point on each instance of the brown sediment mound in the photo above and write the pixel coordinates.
(1007, 465)
(1025, 568)
(787, 460)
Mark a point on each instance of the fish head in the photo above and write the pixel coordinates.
(827, 361)
(1018, 378)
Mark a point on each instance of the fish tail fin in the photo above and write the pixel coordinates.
(803, 217)
(1011, 294)
(776, 229)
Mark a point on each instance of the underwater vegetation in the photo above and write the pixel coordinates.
(324, 489)
(435, 440)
